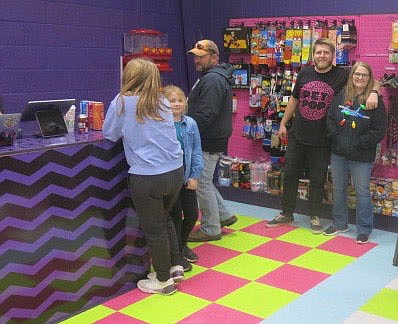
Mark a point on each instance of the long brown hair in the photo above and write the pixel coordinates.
(142, 78)
(350, 90)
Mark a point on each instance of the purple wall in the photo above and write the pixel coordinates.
(71, 48)
(52, 49)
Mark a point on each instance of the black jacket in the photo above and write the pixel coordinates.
(210, 105)
(359, 143)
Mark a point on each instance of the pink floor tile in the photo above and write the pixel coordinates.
(211, 255)
(126, 299)
(272, 232)
(117, 318)
(347, 246)
(280, 251)
(226, 230)
(215, 314)
(211, 285)
(292, 278)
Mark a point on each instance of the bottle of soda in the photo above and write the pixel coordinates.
(82, 123)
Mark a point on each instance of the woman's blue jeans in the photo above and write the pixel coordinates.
(360, 172)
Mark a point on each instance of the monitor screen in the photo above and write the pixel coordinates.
(51, 123)
(29, 113)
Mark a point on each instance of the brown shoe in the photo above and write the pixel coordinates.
(229, 221)
(199, 236)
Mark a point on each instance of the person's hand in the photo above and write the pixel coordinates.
(372, 101)
(282, 131)
(192, 184)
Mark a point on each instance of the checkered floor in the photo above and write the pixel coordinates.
(382, 308)
(255, 273)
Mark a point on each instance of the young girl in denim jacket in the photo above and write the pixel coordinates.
(185, 210)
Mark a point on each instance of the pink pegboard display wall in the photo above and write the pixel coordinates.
(374, 38)
(239, 145)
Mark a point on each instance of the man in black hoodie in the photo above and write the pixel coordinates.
(210, 105)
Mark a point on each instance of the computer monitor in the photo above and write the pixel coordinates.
(51, 123)
(29, 113)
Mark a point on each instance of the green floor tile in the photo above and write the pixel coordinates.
(384, 304)
(165, 309)
(196, 269)
(90, 316)
(240, 241)
(304, 237)
(248, 266)
(322, 261)
(257, 299)
(192, 245)
(244, 221)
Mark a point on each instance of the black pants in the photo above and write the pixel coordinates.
(315, 160)
(153, 197)
(187, 205)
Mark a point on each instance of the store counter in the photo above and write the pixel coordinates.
(66, 241)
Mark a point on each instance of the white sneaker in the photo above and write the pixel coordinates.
(154, 286)
(316, 225)
(176, 273)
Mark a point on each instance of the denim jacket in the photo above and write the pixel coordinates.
(192, 148)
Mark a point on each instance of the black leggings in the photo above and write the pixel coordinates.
(185, 214)
(153, 197)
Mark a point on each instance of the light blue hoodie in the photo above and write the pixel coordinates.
(151, 147)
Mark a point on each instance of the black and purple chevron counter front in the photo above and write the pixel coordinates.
(68, 239)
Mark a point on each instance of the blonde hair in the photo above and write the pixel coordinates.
(350, 90)
(170, 89)
(142, 78)
(324, 41)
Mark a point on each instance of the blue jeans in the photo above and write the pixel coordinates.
(360, 173)
(211, 203)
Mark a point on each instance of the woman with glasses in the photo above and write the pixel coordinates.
(354, 133)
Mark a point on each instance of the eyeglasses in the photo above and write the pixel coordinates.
(363, 75)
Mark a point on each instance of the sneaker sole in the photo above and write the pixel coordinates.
(188, 267)
(205, 239)
(317, 232)
(191, 260)
(331, 234)
(361, 242)
(228, 222)
(177, 277)
(337, 232)
(277, 225)
(150, 291)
